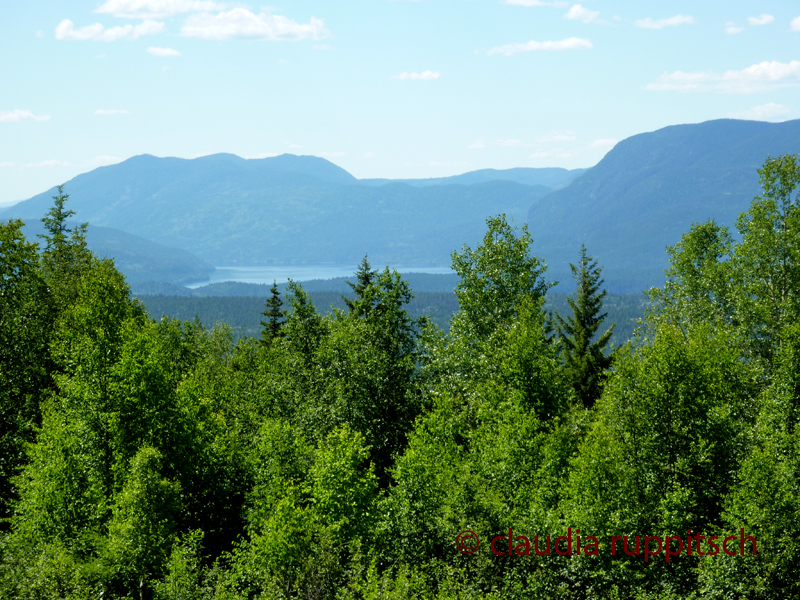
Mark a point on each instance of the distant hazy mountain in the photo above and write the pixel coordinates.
(648, 191)
(140, 260)
(553, 177)
(641, 197)
(143, 183)
(285, 210)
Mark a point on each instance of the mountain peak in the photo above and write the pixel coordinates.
(220, 156)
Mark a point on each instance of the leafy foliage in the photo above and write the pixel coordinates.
(496, 278)
(162, 460)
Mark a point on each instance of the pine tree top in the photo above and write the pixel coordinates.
(276, 316)
(583, 352)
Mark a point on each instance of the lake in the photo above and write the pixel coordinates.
(283, 273)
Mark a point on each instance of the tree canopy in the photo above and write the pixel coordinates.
(344, 456)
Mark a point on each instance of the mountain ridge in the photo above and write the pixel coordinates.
(642, 196)
(649, 189)
(552, 177)
(284, 210)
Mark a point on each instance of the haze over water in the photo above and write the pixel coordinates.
(282, 273)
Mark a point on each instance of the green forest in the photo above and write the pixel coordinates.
(366, 454)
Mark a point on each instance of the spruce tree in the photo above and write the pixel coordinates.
(365, 278)
(65, 255)
(55, 223)
(276, 317)
(585, 360)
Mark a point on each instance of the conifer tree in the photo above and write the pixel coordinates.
(365, 277)
(276, 317)
(585, 360)
(65, 255)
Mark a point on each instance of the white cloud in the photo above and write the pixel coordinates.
(66, 31)
(557, 137)
(764, 76)
(241, 23)
(368, 155)
(101, 161)
(535, 3)
(732, 28)
(7, 165)
(156, 51)
(565, 44)
(579, 13)
(294, 146)
(762, 20)
(604, 143)
(765, 112)
(476, 146)
(15, 116)
(40, 34)
(48, 163)
(424, 76)
(796, 24)
(156, 9)
(649, 23)
(336, 154)
(112, 111)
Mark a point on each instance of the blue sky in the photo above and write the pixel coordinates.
(383, 88)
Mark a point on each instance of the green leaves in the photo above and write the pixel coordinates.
(751, 284)
(768, 259)
(343, 483)
(24, 356)
(766, 498)
(304, 327)
(671, 432)
(700, 278)
(495, 278)
(340, 458)
(142, 529)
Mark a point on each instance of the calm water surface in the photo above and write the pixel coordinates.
(281, 274)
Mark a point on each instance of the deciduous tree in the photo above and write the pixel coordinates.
(495, 278)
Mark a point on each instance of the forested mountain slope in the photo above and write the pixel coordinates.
(552, 177)
(140, 260)
(284, 210)
(650, 188)
(305, 210)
